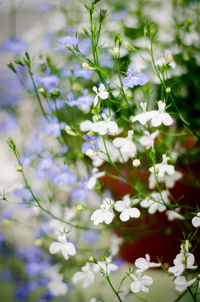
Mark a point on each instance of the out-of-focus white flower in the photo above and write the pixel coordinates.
(172, 215)
(93, 179)
(142, 264)
(88, 125)
(100, 93)
(163, 167)
(107, 266)
(140, 283)
(66, 248)
(105, 213)
(196, 220)
(169, 180)
(106, 126)
(115, 243)
(181, 283)
(124, 206)
(57, 287)
(155, 202)
(160, 116)
(86, 276)
(126, 146)
(147, 140)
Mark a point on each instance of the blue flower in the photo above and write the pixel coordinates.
(49, 82)
(45, 167)
(8, 123)
(91, 143)
(90, 236)
(80, 193)
(64, 177)
(81, 72)
(54, 127)
(64, 41)
(14, 45)
(118, 16)
(134, 78)
(2, 239)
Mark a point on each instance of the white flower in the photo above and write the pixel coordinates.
(196, 220)
(169, 180)
(184, 260)
(115, 243)
(172, 215)
(140, 283)
(142, 264)
(163, 167)
(106, 126)
(143, 117)
(107, 266)
(124, 206)
(57, 287)
(105, 213)
(88, 125)
(155, 202)
(66, 248)
(101, 155)
(181, 283)
(100, 92)
(126, 146)
(136, 162)
(147, 140)
(87, 276)
(93, 179)
(160, 116)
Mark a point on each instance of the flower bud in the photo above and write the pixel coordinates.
(116, 52)
(79, 208)
(19, 168)
(168, 90)
(136, 162)
(129, 47)
(85, 65)
(43, 91)
(10, 65)
(103, 12)
(69, 131)
(169, 58)
(90, 153)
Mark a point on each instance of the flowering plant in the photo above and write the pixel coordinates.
(107, 148)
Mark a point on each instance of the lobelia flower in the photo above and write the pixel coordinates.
(106, 126)
(181, 283)
(15, 45)
(93, 179)
(54, 127)
(91, 143)
(163, 167)
(86, 276)
(147, 140)
(184, 260)
(64, 177)
(172, 215)
(66, 248)
(115, 243)
(100, 93)
(105, 213)
(143, 117)
(107, 265)
(49, 82)
(155, 202)
(57, 287)
(124, 206)
(142, 264)
(126, 147)
(140, 283)
(160, 116)
(196, 220)
(169, 180)
(135, 78)
(88, 125)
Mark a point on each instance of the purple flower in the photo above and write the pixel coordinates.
(64, 177)
(2, 239)
(49, 82)
(45, 167)
(14, 45)
(64, 41)
(23, 193)
(83, 102)
(91, 143)
(90, 236)
(54, 127)
(134, 78)
(81, 72)
(81, 193)
(36, 268)
(8, 123)
(118, 16)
